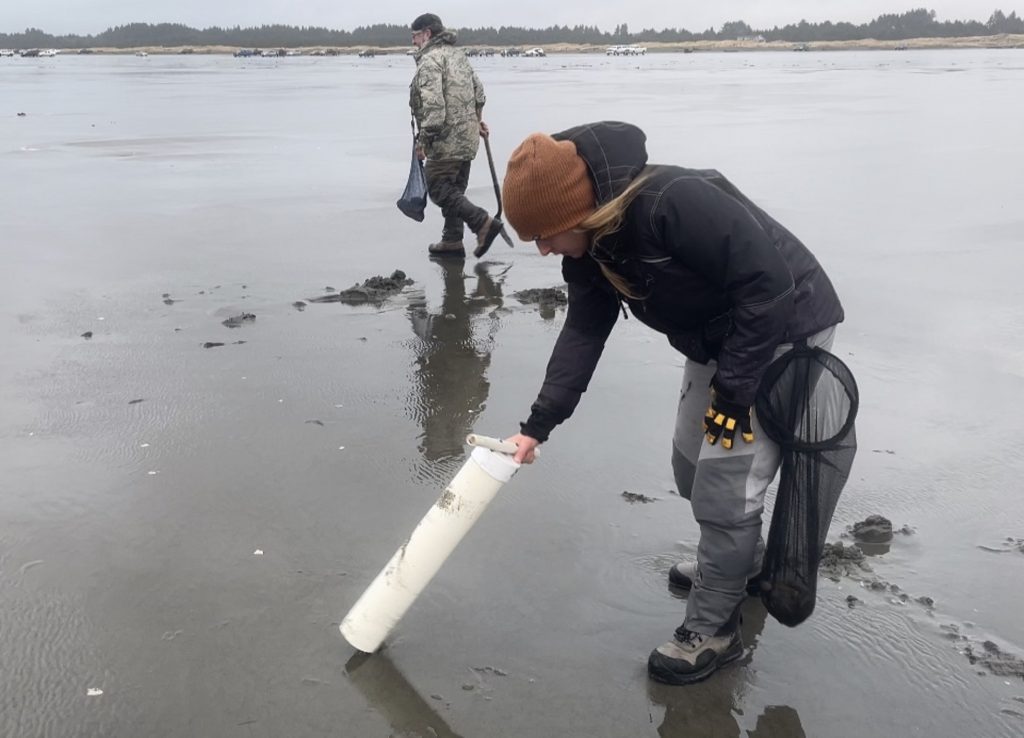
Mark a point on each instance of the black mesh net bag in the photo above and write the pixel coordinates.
(413, 201)
(807, 404)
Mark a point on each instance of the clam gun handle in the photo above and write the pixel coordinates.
(494, 444)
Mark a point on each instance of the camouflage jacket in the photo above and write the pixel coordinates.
(446, 97)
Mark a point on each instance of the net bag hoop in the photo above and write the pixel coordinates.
(774, 426)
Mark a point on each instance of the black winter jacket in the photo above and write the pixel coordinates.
(712, 271)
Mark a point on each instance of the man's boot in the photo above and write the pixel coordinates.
(447, 248)
(691, 657)
(486, 235)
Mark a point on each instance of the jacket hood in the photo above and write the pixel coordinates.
(615, 154)
(445, 37)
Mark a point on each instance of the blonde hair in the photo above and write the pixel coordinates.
(607, 220)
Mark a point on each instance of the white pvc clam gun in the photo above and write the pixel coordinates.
(415, 563)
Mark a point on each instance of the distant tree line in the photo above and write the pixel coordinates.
(919, 23)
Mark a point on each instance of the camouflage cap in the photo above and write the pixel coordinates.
(428, 21)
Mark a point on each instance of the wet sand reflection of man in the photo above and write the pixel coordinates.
(450, 385)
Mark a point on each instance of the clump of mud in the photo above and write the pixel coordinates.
(838, 561)
(873, 529)
(237, 321)
(634, 497)
(373, 290)
(874, 534)
(546, 299)
(546, 295)
(490, 670)
(997, 661)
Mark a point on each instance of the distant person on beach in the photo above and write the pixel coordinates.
(447, 100)
(731, 288)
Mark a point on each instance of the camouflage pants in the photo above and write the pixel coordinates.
(446, 185)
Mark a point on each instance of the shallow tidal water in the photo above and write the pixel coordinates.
(146, 200)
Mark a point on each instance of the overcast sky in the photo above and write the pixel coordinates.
(94, 16)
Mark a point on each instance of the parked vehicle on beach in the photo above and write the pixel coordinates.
(31, 53)
(6, 52)
(631, 50)
(537, 51)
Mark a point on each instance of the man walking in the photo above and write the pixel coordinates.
(447, 99)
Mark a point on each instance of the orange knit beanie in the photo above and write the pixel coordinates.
(547, 188)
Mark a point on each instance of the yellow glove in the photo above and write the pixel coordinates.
(723, 418)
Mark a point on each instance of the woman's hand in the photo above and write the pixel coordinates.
(526, 453)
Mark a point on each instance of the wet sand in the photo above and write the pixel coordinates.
(183, 528)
